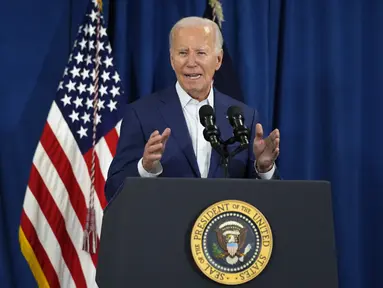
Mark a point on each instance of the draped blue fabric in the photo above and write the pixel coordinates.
(313, 69)
(36, 39)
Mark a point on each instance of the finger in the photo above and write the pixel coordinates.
(275, 134)
(153, 137)
(154, 148)
(276, 143)
(258, 131)
(165, 135)
(276, 154)
(271, 145)
(154, 133)
(154, 140)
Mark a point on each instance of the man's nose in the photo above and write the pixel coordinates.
(191, 61)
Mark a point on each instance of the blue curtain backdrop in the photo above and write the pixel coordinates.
(314, 69)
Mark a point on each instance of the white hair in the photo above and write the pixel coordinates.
(194, 21)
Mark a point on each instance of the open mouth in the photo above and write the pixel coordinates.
(193, 76)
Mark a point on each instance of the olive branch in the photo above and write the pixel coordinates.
(217, 252)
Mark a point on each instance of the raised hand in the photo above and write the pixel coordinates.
(265, 150)
(154, 149)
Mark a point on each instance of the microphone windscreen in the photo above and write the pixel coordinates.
(205, 111)
(234, 111)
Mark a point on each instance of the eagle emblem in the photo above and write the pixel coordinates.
(231, 236)
(231, 242)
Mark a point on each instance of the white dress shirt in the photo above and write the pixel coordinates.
(202, 148)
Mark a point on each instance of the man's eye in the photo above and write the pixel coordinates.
(182, 53)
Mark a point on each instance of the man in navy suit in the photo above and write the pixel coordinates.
(161, 135)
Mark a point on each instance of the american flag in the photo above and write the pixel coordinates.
(69, 169)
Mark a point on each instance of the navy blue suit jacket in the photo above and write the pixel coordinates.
(161, 110)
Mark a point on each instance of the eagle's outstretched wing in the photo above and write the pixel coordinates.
(221, 240)
(242, 238)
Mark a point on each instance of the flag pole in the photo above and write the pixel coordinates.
(90, 231)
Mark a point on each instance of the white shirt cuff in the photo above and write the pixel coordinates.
(154, 173)
(266, 176)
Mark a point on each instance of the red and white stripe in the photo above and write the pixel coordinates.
(55, 204)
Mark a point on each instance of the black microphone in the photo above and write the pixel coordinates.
(211, 132)
(236, 119)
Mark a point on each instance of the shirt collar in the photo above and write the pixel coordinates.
(185, 97)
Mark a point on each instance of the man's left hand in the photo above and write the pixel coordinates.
(265, 150)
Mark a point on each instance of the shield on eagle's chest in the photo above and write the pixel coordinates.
(232, 248)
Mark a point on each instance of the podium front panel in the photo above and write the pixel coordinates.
(146, 232)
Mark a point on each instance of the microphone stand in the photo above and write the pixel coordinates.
(222, 150)
(212, 134)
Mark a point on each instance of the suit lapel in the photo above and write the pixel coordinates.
(172, 113)
(220, 109)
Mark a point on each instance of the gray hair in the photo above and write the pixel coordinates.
(194, 21)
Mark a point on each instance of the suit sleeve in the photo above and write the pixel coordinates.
(251, 158)
(130, 149)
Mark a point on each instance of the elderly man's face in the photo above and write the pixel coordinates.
(194, 59)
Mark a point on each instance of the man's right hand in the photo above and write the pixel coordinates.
(154, 149)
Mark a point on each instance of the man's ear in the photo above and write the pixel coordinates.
(219, 59)
(171, 58)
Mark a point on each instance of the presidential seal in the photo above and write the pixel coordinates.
(231, 242)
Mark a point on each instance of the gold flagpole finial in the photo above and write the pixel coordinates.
(217, 11)
(99, 2)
